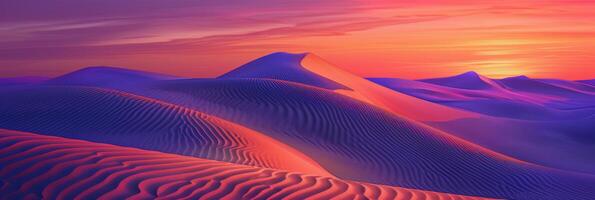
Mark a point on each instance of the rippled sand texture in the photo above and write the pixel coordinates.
(36, 166)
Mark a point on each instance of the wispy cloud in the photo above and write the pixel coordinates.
(406, 39)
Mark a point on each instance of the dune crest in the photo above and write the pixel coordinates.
(282, 66)
(468, 80)
(379, 96)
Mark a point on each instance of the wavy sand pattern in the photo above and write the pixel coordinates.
(124, 119)
(36, 166)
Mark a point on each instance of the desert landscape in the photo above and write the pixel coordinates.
(297, 99)
(294, 126)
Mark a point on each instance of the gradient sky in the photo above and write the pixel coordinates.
(370, 38)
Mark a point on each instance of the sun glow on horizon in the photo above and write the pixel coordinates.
(381, 38)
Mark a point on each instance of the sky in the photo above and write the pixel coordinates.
(371, 38)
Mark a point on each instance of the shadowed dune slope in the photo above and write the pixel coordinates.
(563, 144)
(311, 67)
(36, 166)
(123, 119)
(357, 141)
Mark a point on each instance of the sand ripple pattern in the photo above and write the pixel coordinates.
(36, 166)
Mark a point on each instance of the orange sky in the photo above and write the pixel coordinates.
(370, 38)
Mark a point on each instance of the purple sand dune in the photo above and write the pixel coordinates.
(506, 103)
(552, 93)
(576, 86)
(108, 116)
(108, 76)
(356, 141)
(468, 80)
(282, 66)
(536, 86)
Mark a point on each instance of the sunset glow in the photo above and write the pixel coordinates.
(375, 39)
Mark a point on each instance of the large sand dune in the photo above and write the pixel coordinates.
(129, 120)
(306, 68)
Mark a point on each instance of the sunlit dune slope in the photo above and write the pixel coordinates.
(303, 68)
(358, 141)
(115, 117)
(35, 166)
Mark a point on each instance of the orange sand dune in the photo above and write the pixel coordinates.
(36, 166)
(380, 96)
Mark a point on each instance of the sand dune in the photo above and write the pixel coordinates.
(575, 86)
(546, 87)
(502, 102)
(36, 166)
(124, 119)
(468, 80)
(311, 70)
(108, 76)
(282, 66)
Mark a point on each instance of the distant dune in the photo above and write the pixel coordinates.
(108, 76)
(519, 98)
(590, 82)
(293, 125)
(468, 80)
